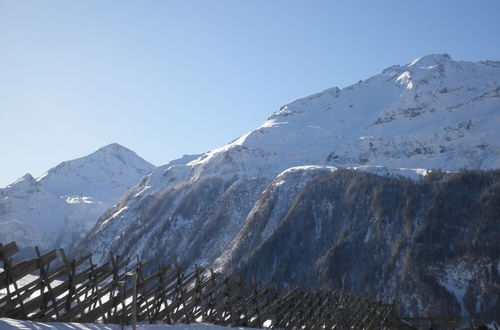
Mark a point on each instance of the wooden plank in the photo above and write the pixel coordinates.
(32, 305)
(381, 317)
(108, 306)
(151, 306)
(327, 305)
(142, 287)
(210, 298)
(23, 294)
(8, 250)
(292, 307)
(10, 278)
(163, 299)
(257, 296)
(45, 259)
(215, 298)
(284, 308)
(192, 303)
(297, 310)
(100, 293)
(17, 272)
(172, 292)
(73, 281)
(150, 291)
(36, 284)
(237, 303)
(96, 297)
(270, 307)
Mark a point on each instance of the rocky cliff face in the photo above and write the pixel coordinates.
(431, 113)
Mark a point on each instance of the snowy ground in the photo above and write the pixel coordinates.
(7, 324)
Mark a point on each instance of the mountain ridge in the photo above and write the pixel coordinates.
(65, 201)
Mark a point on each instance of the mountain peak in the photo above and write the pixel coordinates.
(430, 60)
(25, 183)
(112, 147)
(27, 177)
(112, 167)
(120, 153)
(25, 180)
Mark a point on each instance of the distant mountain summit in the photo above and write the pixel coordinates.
(62, 204)
(103, 175)
(215, 210)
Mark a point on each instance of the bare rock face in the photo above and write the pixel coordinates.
(222, 207)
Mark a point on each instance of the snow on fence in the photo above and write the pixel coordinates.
(80, 291)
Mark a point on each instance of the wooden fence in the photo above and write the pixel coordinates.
(80, 291)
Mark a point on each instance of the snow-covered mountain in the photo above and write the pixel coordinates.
(431, 113)
(60, 206)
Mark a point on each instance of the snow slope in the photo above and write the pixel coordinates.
(64, 203)
(431, 113)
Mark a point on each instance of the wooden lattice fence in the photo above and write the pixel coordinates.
(81, 291)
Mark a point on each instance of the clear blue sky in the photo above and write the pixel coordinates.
(167, 78)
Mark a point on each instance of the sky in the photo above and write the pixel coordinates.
(172, 77)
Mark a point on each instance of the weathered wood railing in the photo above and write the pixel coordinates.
(78, 290)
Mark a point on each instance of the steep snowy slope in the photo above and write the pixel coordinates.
(64, 203)
(431, 113)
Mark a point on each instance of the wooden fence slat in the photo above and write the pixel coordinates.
(8, 250)
(99, 293)
(44, 277)
(17, 271)
(57, 290)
